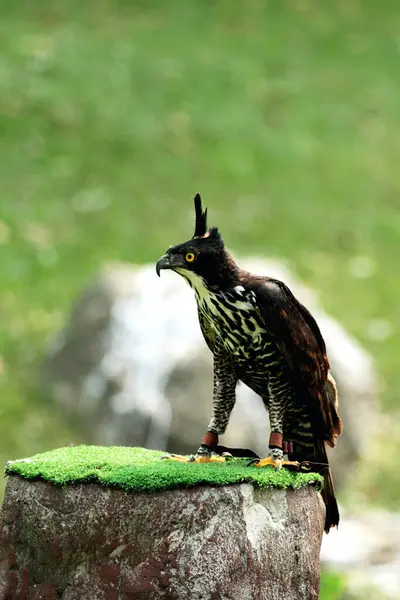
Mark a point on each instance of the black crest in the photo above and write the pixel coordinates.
(201, 218)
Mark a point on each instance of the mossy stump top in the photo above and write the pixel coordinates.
(141, 470)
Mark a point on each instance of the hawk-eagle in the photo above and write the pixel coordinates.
(261, 335)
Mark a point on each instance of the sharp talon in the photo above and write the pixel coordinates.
(291, 466)
(305, 466)
(227, 455)
(192, 458)
(175, 457)
(253, 461)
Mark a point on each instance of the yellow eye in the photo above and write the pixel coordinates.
(189, 257)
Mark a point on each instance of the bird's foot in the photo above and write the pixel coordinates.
(277, 463)
(203, 455)
(198, 458)
(176, 457)
(275, 459)
(194, 458)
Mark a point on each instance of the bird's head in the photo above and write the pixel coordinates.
(203, 259)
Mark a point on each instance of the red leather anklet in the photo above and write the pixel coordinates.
(275, 440)
(210, 439)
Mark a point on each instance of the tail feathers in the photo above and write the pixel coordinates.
(320, 457)
(328, 494)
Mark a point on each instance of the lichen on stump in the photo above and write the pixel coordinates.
(96, 541)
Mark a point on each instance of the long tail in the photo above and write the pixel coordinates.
(320, 458)
(328, 492)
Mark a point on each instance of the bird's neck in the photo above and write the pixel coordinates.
(222, 279)
(225, 276)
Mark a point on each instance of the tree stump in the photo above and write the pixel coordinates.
(85, 541)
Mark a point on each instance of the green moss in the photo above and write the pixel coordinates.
(140, 470)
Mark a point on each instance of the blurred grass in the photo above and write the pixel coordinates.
(284, 115)
(333, 586)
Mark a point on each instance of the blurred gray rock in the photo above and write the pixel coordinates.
(131, 367)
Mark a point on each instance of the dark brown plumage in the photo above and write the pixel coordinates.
(261, 334)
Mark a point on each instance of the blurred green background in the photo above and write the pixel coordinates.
(284, 115)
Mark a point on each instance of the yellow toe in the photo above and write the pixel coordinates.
(176, 457)
(277, 464)
(269, 461)
(208, 459)
(194, 459)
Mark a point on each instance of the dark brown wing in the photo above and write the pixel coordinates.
(207, 331)
(298, 336)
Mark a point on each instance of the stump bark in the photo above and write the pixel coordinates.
(88, 542)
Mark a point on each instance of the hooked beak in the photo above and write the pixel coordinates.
(163, 263)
